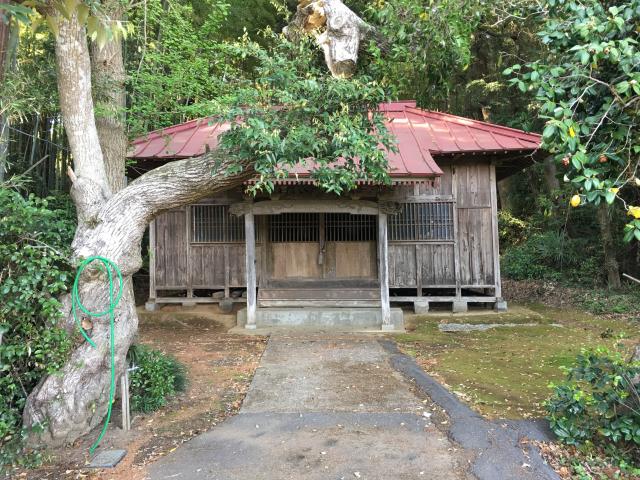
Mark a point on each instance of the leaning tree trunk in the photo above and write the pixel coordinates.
(73, 401)
(608, 247)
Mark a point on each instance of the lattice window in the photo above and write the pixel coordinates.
(214, 224)
(422, 222)
(294, 227)
(344, 227)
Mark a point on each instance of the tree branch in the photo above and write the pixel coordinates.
(338, 30)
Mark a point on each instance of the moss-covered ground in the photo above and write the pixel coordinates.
(505, 372)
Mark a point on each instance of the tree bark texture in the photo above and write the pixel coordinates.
(608, 246)
(339, 31)
(76, 104)
(73, 401)
(110, 97)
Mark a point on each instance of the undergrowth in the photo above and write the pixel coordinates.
(156, 377)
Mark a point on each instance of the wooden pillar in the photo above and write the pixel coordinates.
(494, 232)
(250, 239)
(456, 230)
(383, 271)
(189, 259)
(151, 303)
(500, 304)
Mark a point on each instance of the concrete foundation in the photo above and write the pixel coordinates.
(332, 318)
(460, 306)
(421, 306)
(151, 306)
(500, 305)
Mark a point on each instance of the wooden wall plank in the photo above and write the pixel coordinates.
(355, 260)
(171, 242)
(476, 246)
(402, 265)
(152, 261)
(295, 260)
(437, 264)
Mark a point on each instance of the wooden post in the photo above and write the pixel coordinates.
(227, 268)
(383, 271)
(151, 303)
(189, 259)
(456, 230)
(494, 228)
(500, 305)
(124, 394)
(250, 239)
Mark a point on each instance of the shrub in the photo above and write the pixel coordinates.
(156, 378)
(511, 229)
(554, 256)
(35, 236)
(598, 401)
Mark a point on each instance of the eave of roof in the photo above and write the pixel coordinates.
(421, 134)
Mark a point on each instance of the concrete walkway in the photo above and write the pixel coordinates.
(337, 407)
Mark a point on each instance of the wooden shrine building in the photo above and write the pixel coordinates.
(430, 237)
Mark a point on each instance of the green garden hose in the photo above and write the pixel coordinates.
(109, 267)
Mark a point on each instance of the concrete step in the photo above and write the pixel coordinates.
(339, 319)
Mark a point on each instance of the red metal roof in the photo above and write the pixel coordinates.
(420, 134)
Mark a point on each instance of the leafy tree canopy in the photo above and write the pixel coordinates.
(588, 91)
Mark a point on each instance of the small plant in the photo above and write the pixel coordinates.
(157, 377)
(598, 401)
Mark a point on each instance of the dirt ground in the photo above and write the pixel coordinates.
(220, 368)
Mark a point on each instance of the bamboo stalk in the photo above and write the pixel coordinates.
(630, 278)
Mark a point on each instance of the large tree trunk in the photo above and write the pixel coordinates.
(608, 246)
(75, 400)
(72, 402)
(110, 97)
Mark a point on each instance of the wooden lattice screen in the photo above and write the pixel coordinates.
(294, 227)
(422, 222)
(344, 227)
(214, 224)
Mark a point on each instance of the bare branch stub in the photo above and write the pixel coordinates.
(338, 30)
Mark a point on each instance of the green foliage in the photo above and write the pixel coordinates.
(157, 377)
(295, 112)
(425, 45)
(34, 246)
(512, 230)
(588, 91)
(554, 256)
(178, 61)
(598, 401)
(603, 302)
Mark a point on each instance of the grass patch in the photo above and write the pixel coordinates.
(505, 372)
